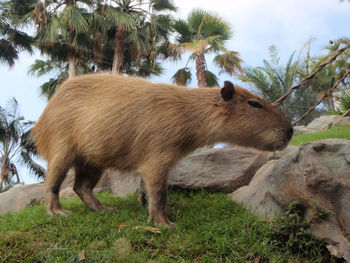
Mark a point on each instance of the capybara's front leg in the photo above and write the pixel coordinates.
(55, 175)
(156, 185)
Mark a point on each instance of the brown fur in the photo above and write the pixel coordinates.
(94, 122)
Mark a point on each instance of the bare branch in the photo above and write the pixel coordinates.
(320, 67)
(325, 95)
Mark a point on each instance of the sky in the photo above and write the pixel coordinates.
(256, 24)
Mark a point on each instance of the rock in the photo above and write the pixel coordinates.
(315, 171)
(301, 130)
(342, 121)
(120, 183)
(347, 113)
(224, 169)
(20, 197)
(68, 192)
(322, 122)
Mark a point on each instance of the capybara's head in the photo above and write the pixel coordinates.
(252, 121)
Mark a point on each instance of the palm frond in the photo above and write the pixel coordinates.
(212, 79)
(184, 32)
(33, 167)
(182, 77)
(50, 34)
(122, 20)
(8, 54)
(229, 62)
(73, 18)
(162, 5)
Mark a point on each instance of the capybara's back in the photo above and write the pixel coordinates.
(101, 121)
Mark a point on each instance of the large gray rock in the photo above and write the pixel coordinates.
(20, 197)
(315, 171)
(224, 169)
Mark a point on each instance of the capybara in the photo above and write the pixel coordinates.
(100, 121)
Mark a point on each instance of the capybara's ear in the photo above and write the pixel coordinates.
(227, 91)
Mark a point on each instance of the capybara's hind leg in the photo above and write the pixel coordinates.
(86, 178)
(156, 186)
(55, 175)
(143, 193)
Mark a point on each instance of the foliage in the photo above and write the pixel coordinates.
(327, 77)
(201, 34)
(129, 23)
(182, 77)
(344, 101)
(16, 145)
(210, 228)
(340, 132)
(79, 37)
(291, 230)
(273, 80)
(12, 40)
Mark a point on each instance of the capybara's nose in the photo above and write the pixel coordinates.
(290, 133)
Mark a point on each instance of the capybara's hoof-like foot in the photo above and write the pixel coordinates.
(161, 219)
(59, 211)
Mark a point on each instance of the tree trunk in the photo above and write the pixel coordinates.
(200, 71)
(98, 48)
(71, 64)
(4, 170)
(118, 51)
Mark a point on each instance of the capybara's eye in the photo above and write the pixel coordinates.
(254, 104)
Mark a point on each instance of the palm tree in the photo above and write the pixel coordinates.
(62, 28)
(124, 18)
(12, 41)
(202, 34)
(16, 145)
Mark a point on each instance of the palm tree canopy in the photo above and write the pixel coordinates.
(12, 41)
(202, 30)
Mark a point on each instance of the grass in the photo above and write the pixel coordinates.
(341, 132)
(210, 228)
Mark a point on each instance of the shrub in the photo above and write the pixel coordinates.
(344, 101)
